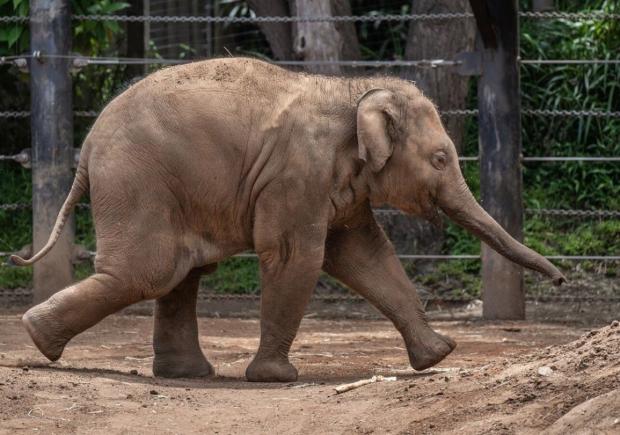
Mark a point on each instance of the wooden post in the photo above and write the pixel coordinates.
(500, 152)
(52, 140)
(147, 31)
(135, 41)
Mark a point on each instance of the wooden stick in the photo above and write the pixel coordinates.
(353, 385)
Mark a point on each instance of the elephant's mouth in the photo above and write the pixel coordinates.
(431, 213)
(428, 209)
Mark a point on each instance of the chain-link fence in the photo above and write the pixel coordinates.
(81, 61)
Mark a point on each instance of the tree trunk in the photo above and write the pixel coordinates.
(135, 41)
(279, 35)
(441, 39)
(351, 46)
(324, 40)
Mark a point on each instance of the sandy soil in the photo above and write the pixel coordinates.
(509, 377)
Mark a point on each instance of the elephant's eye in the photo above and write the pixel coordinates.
(439, 159)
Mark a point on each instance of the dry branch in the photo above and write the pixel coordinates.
(353, 385)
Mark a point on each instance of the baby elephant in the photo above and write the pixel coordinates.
(196, 163)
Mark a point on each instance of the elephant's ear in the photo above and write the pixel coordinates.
(375, 109)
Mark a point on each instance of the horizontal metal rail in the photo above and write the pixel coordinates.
(573, 213)
(393, 212)
(414, 257)
(569, 61)
(425, 296)
(25, 295)
(533, 211)
(573, 16)
(572, 159)
(448, 112)
(82, 61)
(277, 19)
(23, 158)
(371, 63)
(94, 113)
(15, 114)
(16, 206)
(572, 113)
(14, 19)
(584, 257)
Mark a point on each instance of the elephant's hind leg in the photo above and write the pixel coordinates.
(54, 322)
(175, 334)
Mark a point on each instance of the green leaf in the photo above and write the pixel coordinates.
(118, 6)
(13, 35)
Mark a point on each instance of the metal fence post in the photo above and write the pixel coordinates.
(500, 152)
(52, 140)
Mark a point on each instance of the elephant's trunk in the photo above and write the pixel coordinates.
(461, 206)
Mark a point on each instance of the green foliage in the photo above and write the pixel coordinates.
(380, 40)
(236, 275)
(453, 279)
(88, 36)
(572, 87)
(14, 37)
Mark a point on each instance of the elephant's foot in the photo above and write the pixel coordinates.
(177, 365)
(47, 333)
(429, 348)
(271, 370)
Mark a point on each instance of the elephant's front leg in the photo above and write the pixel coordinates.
(288, 278)
(290, 251)
(363, 258)
(175, 333)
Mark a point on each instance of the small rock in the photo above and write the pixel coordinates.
(133, 372)
(615, 324)
(545, 371)
(25, 368)
(153, 392)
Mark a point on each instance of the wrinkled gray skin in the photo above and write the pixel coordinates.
(198, 162)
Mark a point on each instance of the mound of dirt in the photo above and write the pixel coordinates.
(598, 415)
(571, 388)
(592, 355)
(588, 361)
(586, 372)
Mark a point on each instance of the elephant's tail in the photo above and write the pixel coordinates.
(80, 185)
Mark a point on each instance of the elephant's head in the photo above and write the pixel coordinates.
(412, 164)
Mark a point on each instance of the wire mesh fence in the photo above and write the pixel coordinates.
(83, 61)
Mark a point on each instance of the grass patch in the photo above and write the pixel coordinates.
(236, 276)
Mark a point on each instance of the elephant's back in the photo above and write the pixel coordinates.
(236, 76)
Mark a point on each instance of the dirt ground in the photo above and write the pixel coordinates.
(508, 377)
